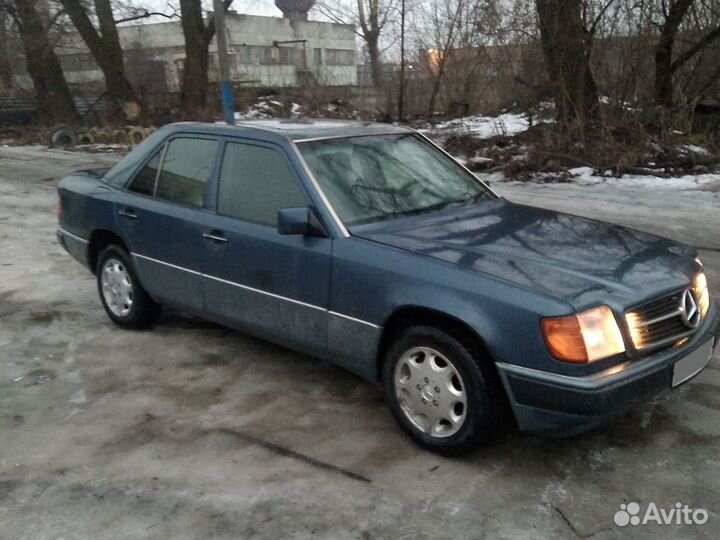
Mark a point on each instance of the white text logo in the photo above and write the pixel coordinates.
(680, 514)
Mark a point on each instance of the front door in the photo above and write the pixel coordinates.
(163, 217)
(276, 286)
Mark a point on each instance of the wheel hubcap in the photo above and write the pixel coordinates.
(431, 392)
(117, 287)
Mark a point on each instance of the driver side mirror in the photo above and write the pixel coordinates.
(302, 221)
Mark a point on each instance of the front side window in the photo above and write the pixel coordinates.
(144, 181)
(186, 168)
(256, 182)
(374, 178)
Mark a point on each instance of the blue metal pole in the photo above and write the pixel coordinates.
(226, 89)
(228, 102)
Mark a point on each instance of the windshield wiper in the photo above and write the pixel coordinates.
(438, 206)
(424, 209)
(475, 198)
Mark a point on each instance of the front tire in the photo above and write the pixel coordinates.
(441, 392)
(125, 301)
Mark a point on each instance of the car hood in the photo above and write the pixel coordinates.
(581, 261)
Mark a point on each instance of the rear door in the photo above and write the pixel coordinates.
(273, 285)
(163, 215)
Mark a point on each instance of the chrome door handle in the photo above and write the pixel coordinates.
(214, 237)
(128, 213)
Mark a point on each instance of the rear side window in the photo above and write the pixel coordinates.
(256, 182)
(186, 169)
(144, 182)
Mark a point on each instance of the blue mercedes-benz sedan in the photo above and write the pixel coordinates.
(367, 245)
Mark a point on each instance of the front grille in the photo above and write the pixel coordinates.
(658, 323)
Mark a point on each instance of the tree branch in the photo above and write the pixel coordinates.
(210, 30)
(144, 15)
(692, 51)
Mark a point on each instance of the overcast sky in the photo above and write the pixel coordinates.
(250, 7)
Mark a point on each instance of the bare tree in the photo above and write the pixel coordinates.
(52, 94)
(567, 46)
(445, 23)
(6, 73)
(372, 18)
(198, 35)
(104, 44)
(665, 64)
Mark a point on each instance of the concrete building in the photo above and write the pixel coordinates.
(264, 51)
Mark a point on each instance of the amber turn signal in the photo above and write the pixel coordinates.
(584, 337)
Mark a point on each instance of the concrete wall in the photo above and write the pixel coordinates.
(248, 31)
(154, 55)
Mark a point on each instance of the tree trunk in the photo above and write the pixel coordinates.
(195, 82)
(370, 28)
(198, 36)
(664, 52)
(107, 52)
(54, 101)
(373, 48)
(437, 82)
(566, 46)
(6, 78)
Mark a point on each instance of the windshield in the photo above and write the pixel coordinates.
(381, 177)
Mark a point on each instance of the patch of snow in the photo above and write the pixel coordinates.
(694, 149)
(485, 126)
(587, 176)
(264, 107)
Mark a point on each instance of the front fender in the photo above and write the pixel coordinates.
(371, 282)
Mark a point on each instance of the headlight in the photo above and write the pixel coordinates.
(584, 337)
(700, 288)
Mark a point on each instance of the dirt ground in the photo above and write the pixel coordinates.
(195, 431)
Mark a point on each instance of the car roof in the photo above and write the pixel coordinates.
(300, 129)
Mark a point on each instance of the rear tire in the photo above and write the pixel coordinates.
(441, 391)
(124, 299)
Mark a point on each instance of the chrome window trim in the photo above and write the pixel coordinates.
(163, 153)
(400, 131)
(343, 230)
(431, 142)
(259, 291)
(67, 233)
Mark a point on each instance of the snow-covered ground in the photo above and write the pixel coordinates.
(588, 176)
(267, 107)
(483, 126)
(685, 208)
(506, 123)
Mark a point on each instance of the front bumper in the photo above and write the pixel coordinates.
(553, 404)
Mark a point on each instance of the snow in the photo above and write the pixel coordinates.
(694, 149)
(587, 176)
(484, 126)
(264, 107)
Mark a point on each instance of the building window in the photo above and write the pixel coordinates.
(317, 56)
(287, 56)
(78, 62)
(339, 57)
(265, 56)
